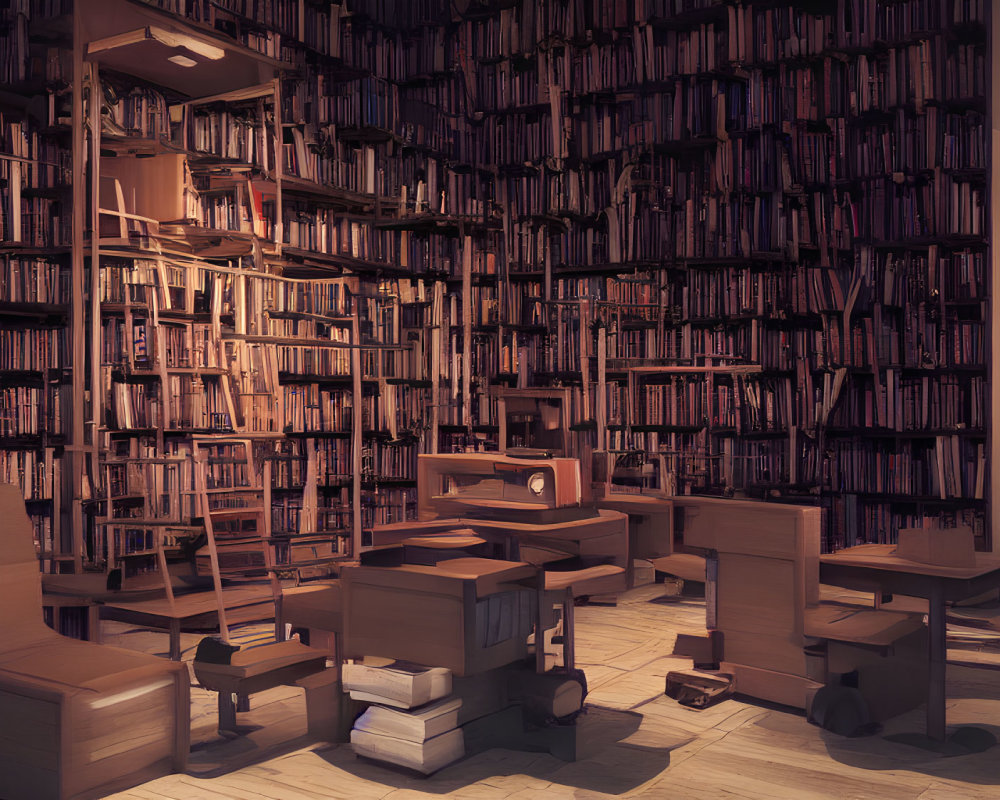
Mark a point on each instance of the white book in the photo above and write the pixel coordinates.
(426, 757)
(418, 725)
(396, 683)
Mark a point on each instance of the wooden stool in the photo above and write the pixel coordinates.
(256, 669)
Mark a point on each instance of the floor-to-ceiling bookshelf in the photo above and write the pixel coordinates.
(748, 237)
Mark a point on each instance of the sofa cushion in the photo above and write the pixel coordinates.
(75, 665)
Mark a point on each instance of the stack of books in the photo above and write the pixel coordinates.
(412, 721)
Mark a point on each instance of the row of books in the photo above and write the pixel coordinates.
(125, 281)
(307, 408)
(189, 404)
(132, 406)
(332, 297)
(898, 278)
(159, 484)
(857, 519)
(913, 74)
(33, 221)
(236, 212)
(324, 230)
(307, 359)
(948, 467)
(189, 346)
(31, 411)
(124, 343)
(334, 462)
(137, 111)
(754, 33)
(914, 404)
(894, 280)
(766, 464)
(747, 406)
(24, 279)
(287, 518)
(237, 133)
(385, 505)
(907, 144)
(943, 206)
(33, 349)
(396, 409)
(14, 47)
(915, 343)
(256, 412)
(619, 291)
(33, 160)
(35, 472)
(319, 155)
(381, 459)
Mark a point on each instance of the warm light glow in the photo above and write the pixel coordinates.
(182, 61)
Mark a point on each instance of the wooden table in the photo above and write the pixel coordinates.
(193, 611)
(875, 567)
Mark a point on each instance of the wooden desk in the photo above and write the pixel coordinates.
(194, 611)
(469, 615)
(874, 567)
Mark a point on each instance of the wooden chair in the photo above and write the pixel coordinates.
(78, 717)
(652, 535)
(249, 554)
(778, 640)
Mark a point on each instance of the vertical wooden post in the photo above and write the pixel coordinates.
(206, 512)
(71, 541)
(437, 322)
(466, 328)
(994, 283)
(936, 649)
(95, 275)
(279, 225)
(356, 438)
(601, 410)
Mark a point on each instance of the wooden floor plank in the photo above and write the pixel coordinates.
(633, 742)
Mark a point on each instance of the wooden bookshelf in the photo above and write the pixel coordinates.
(373, 228)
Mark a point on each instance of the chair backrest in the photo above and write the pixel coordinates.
(20, 578)
(768, 574)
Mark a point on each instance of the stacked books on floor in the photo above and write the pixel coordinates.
(412, 722)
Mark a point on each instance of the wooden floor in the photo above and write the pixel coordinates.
(634, 741)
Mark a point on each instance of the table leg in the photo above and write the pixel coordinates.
(540, 635)
(540, 621)
(569, 646)
(937, 652)
(227, 712)
(94, 624)
(175, 640)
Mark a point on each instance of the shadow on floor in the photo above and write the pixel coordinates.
(605, 763)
